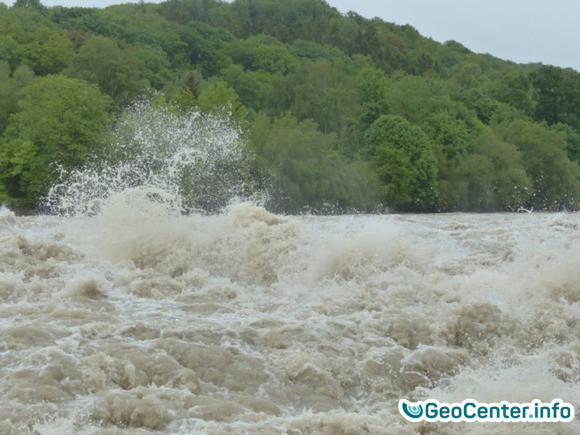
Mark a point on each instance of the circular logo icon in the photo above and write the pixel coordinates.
(411, 411)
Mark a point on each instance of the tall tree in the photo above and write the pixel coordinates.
(558, 95)
(118, 73)
(556, 180)
(59, 122)
(404, 161)
(304, 172)
(33, 4)
(10, 86)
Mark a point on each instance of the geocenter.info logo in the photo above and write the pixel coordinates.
(471, 410)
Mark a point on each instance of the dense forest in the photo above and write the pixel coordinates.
(339, 111)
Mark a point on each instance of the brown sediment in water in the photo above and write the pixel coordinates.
(131, 322)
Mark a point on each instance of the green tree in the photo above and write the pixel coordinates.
(10, 86)
(491, 177)
(509, 183)
(118, 73)
(312, 51)
(286, 21)
(47, 51)
(404, 161)
(321, 91)
(184, 91)
(184, 11)
(218, 98)
(204, 47)
(253, 87)
(558, 95)
(430, 119)
(373, 89)
(417, 98)
(23, 173)
(262, 53)
(450, 134)
(572, 141)
(157, 68)
(59, 121)
(514, 88)
(302, 170)
(555, 179)
(34, 4)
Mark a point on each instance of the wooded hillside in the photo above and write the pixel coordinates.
(340, 111)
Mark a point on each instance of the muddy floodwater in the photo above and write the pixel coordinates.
(137, 320)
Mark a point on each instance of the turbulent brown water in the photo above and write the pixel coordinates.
(123, 315)
(248, 322)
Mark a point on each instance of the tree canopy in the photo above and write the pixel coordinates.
(58, 122)
(340, 112)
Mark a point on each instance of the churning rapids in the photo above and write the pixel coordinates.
(136, 318)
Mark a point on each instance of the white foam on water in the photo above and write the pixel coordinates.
(186, 161)
(248, 321)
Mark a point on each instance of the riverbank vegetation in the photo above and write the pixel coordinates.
(341, 112)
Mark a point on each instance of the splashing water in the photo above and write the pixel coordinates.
(126, 316)
(187, 161)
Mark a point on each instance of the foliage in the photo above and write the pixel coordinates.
(491, 177)
(58, 122)
(306, 172)
(117, 72)
(321, 91)
(261, 53)
(558, 95)
(10, 86)
(253, 87)
(404, 161)
(555, 179)
(338, 109)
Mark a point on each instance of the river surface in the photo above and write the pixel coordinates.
(138, 320)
